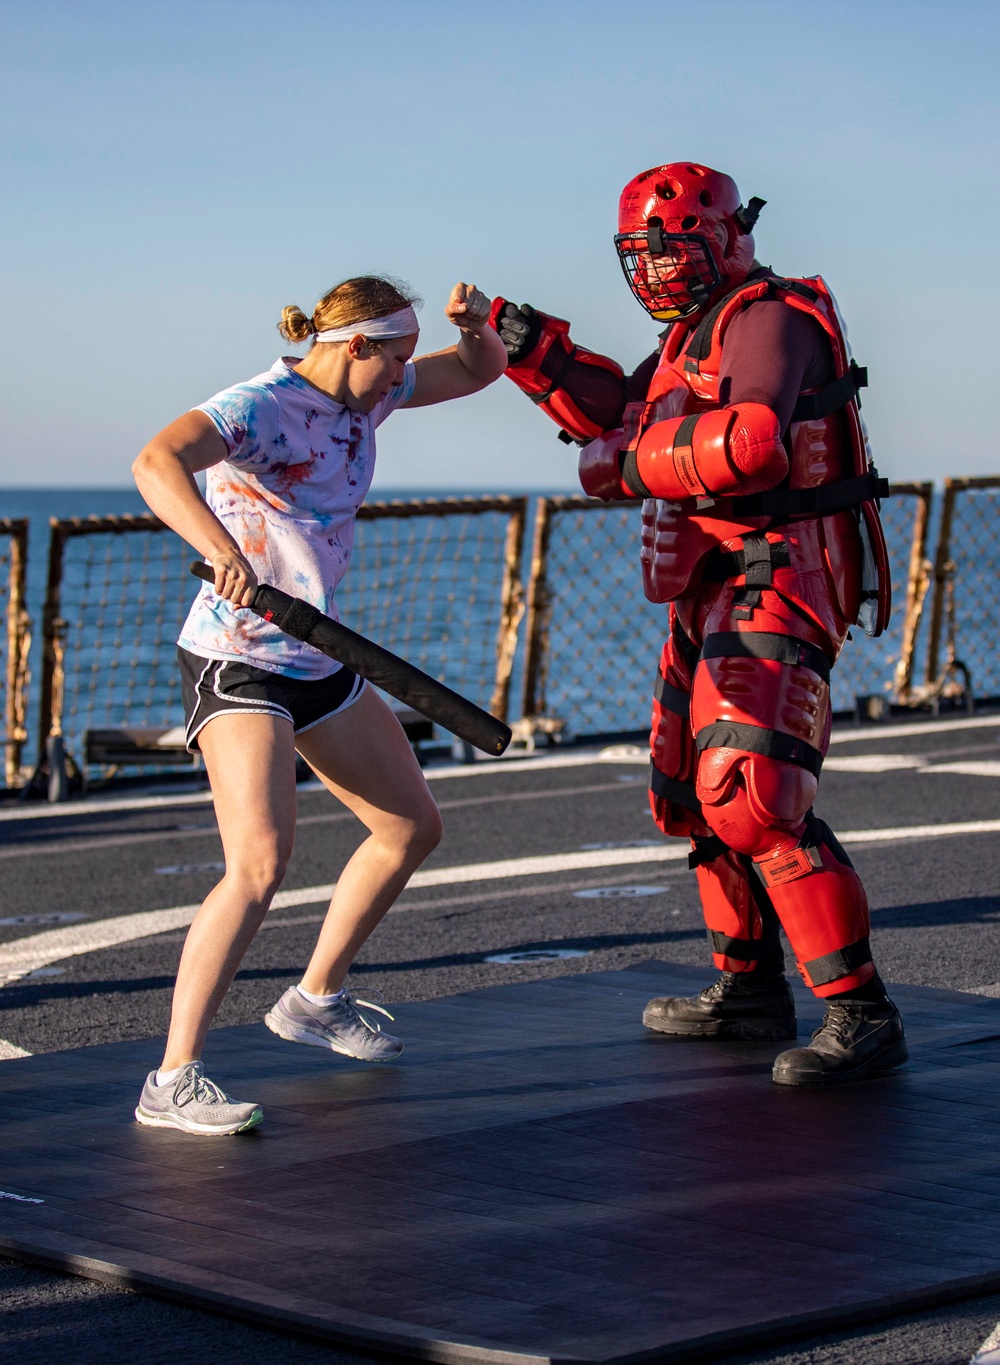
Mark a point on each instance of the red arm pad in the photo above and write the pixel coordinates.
(600, 469)
(727, 450)
(546, 391)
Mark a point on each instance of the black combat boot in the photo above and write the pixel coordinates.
(748, 1005)
(857, 1038)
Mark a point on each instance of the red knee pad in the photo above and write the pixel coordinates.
(823, 909)
(747, 801)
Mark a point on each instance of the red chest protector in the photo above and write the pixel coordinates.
(830, 468)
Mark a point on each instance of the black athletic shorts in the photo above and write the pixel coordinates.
(214, 687)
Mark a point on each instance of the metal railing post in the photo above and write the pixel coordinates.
(918, 580)
(511, 607)
(53, 628)
(18, 645)
(942, 560)
(539, 608)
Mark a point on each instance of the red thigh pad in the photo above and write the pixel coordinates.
(764, 692)
(762, 726)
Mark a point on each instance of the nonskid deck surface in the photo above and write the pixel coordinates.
(536, 1179)
(556, 855)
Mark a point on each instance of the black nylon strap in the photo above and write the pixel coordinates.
(842, 962)
(671, 698)
(707, 847)
(810, 407)
(685, 647)
(700, 344)
(686, 430)
(299, 620)
(783, 649)
(631, 477)
(741, 949)
(757, 561)
(757, 739)
(723, 564)
(797, 287)
(823, 501)
(670, 789)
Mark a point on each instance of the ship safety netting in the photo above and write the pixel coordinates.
(965, 624)
(436, 582)
(594, 641)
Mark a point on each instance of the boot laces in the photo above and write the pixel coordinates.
(719, 988)
(839, 1022)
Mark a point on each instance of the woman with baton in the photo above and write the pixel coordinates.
(289, 457)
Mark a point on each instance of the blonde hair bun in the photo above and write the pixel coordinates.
(350, 301)
(294, 325)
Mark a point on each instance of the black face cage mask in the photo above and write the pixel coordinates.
(689, 272)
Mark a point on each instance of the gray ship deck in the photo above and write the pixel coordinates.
(536, 1178)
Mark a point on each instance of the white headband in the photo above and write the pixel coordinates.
(400, 324)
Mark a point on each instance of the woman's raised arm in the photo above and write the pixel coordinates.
(479, 358)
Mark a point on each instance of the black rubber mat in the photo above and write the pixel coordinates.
(535, 1179)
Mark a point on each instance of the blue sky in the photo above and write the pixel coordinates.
(175, 173)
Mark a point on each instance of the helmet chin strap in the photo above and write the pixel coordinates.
(699, 293)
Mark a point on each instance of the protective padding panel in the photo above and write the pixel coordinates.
(537, 1179)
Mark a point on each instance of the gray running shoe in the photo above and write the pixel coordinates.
(343, 1027)
(194, 1104)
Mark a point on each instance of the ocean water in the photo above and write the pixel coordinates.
(427, 589)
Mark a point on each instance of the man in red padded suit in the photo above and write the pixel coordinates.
(742, 437)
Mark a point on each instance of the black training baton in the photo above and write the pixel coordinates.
(392, 674)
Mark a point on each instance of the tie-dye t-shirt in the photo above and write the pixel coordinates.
(298, 468)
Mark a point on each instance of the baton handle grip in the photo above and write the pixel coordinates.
(387, 671)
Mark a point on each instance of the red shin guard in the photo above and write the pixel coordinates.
(822, 906)
(742, 938)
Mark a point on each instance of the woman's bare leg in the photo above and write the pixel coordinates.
(251, 766)
(363, 757)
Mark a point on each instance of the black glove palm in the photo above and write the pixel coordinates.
(519, 330)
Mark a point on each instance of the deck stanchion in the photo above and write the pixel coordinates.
(918, 580)
(964, 615)
(17, 644)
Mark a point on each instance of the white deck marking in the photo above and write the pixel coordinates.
(975, 767)
(505, 892)
(97, 806)
(920, 727)
(87, 843)
(989, 1352)
(25, 955)
(872, 763)
(616, 753)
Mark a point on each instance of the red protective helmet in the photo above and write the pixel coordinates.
(673, 261)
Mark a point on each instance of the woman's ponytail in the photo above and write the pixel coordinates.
(294, 325)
